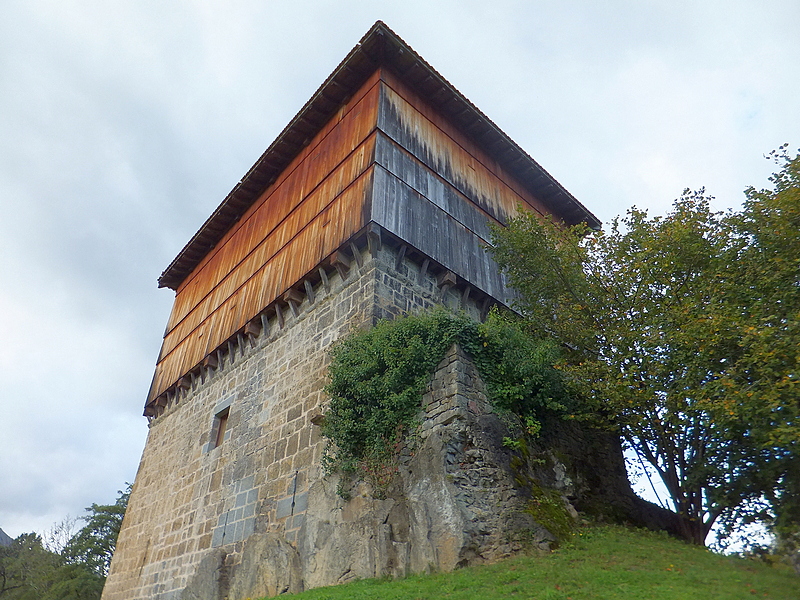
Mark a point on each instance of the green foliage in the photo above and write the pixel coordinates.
(379, 375)
(93, 546)
(25, 566)
(548, 509)
(73, 582)
(517, 368)
(612, 563)
(764, 384)
(29, 571)
(683, 332)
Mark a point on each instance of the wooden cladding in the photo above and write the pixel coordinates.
(315, 205)
(450, 153)
(386, 157)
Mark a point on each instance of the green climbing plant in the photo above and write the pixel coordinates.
(378, 376)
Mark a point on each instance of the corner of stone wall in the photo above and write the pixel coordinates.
(478, 465)
(454, 501)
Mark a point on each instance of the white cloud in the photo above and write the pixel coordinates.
(124, 124)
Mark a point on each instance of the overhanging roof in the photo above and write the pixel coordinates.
(379, 47)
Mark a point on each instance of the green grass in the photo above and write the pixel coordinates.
(598, 563)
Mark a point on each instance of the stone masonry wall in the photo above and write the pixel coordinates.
(194, 504)
(453, 502)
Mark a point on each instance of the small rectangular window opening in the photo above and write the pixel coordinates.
(221, 426)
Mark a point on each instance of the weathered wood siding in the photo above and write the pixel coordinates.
(387, 157)
(316, 204)
(437, 191)
(416, 127)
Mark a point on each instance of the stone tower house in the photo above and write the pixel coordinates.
(374, 201)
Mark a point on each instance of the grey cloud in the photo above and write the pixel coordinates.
(123, 125)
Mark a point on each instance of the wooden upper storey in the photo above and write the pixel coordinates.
(387, 153)
(380, 47)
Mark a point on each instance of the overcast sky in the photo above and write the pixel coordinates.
(124, 124)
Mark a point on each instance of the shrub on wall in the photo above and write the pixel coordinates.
(378, 378)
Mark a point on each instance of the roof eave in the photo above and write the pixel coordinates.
(379, 47)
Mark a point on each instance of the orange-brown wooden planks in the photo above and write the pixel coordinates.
(310, 210)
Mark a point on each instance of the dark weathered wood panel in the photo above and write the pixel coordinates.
(432, 186)
(409, 215)
(416, 127)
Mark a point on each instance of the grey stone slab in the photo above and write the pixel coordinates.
(252, 496)
(217, 536)
(301, 502)
(249, 527)
(249, 510)
(284, 508)
(223, 404)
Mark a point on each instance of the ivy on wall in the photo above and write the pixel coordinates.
(378, 377)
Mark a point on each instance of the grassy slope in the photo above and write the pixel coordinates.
(599, 563)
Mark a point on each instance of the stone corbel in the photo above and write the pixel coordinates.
(279, 315)
(294, 299)
(323, 275)
(445, 281)
(485, 305)
(374, 242)
(400, 256)
(465, 295)
(309, 291)
(264, 322)
(423, 270)
(356, 254)
(341, 263)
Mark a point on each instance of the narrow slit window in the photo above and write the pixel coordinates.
(222, 427)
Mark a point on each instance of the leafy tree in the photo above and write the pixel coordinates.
(31, 569)
(93, 546)
(24, 566)
(73, 582)
(681, 331)
(765, 380)
(56, 538)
